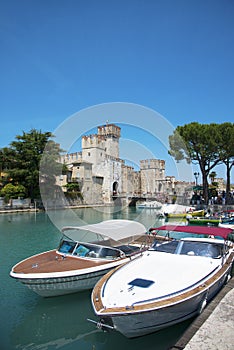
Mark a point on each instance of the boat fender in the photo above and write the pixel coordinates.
(202, 305)
(227, 278)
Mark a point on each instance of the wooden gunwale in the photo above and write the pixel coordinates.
(51, 261)
(128, 309)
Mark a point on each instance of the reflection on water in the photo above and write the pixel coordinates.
(32, 322)
(61, 322)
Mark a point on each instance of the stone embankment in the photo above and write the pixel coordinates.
(214, 328)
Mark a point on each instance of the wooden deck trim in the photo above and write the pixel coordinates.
(51, 261)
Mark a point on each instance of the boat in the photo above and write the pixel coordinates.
(179, 211)
(211, 220)
(171, 282)
(85, 253)
(186, 214)
(227, 222)
(149, 205)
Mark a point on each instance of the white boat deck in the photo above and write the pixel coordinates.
(152, 279)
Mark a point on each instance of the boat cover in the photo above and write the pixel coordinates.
(114, 229)
(201, 230)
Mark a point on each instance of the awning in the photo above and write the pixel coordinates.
(201, 230)
(114, 229)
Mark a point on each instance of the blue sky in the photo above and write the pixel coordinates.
(62, 56)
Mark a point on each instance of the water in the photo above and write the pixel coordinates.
(28, 321)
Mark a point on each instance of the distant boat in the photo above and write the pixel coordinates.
(227, 222)
(185, 214)
(171, 282)
(149, 205)
(84, 255)
(177, 210)
(211, 220)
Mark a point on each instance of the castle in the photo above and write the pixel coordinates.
(103, 176)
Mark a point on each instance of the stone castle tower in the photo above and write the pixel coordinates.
(152, 175)
(96, 148)
(111, 135)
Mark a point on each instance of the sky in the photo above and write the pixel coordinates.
(60, 57)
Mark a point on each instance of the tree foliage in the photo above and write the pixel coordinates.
(49, 169)
(200, 144)
(73, 190)
(24, 160)
(226, 148)
(13, 191)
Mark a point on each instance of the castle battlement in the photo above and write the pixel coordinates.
(94, 140)
(71, 157)
(152, 164)
(109, 130)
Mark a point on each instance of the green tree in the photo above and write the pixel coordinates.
(212, 176)
(198, 143)
(27, 152)
(73, 190)
(6, 157)
(49, 169)
(12, 191)
(226, 150)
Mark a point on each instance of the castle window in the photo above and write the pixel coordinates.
(89, 154)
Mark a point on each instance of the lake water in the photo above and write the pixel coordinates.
(28, 321)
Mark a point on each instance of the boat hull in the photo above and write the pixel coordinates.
(203, 221)
(134, 324)
(50, 287)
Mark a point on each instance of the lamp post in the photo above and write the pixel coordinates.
(196, 176)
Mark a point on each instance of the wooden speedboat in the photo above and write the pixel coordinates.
(84, 255)
(171, 282)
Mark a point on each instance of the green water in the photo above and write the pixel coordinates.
(28, 321)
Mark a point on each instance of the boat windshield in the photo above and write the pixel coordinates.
(66, 247)
(167, 247)
(192, 248)
(210, 250)
(89, 250)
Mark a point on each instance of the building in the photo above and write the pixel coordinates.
(152, 176)
(103, 176)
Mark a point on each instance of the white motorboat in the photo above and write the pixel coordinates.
(84, 255)
(179, 211)
(171, 282)
(149, 205)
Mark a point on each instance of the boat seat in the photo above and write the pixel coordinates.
(92, 254)
(191, 252)
(81, 250)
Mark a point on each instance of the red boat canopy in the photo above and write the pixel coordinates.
(201, 230)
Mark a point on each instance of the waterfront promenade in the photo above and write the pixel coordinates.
(214, 328)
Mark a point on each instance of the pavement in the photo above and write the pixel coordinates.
(214, 328)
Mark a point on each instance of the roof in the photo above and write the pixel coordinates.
(201, 230)
(114, 229)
